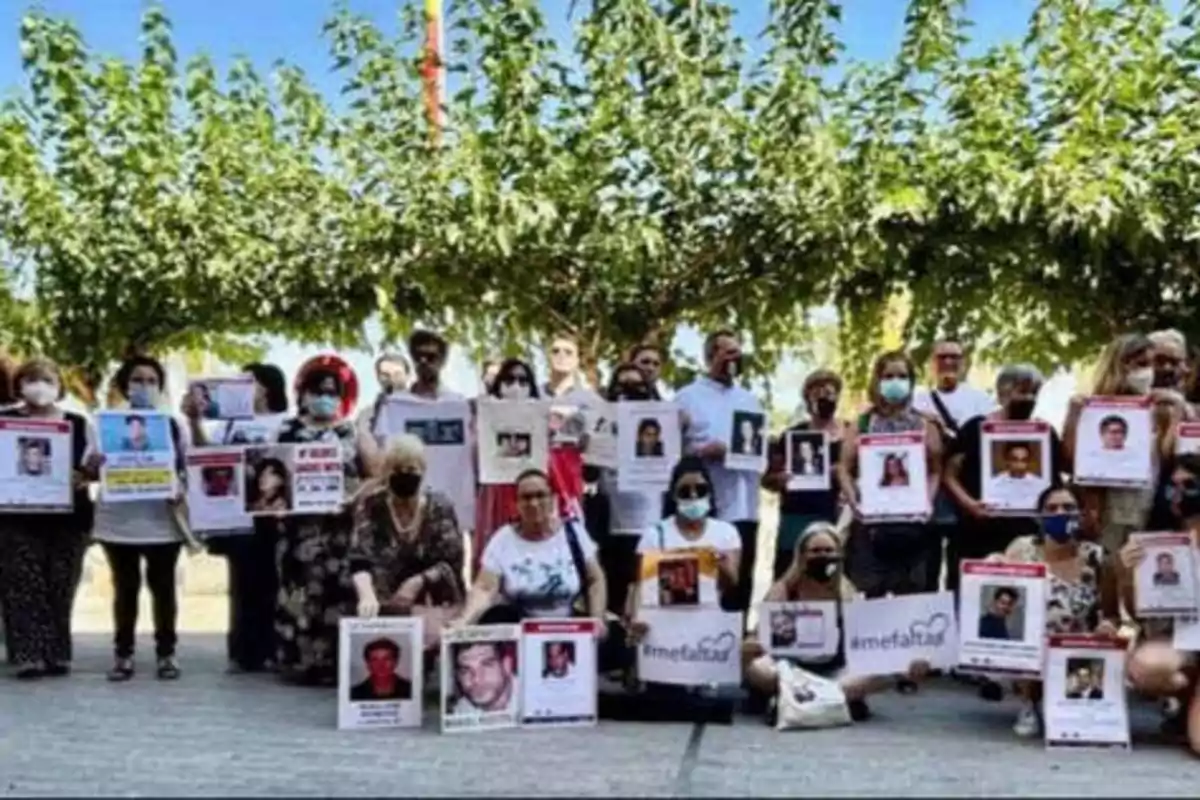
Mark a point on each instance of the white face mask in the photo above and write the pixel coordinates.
(1140, 380)
(514, 391)
(39, 394)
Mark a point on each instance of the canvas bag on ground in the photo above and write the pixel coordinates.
(808, 701)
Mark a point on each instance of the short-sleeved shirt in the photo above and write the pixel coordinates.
(539, 577)
(718, 535)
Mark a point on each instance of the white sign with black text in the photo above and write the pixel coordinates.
(885, 636)
(558, 682)
(1084, 701)
(1002, 618)
(691, 647)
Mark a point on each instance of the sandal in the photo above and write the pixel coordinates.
(168, 669)
(122, 670)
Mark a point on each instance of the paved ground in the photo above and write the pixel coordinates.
(212, 734)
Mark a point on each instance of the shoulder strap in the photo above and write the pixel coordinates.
(577, 558)
(662, 535)
(943, 412)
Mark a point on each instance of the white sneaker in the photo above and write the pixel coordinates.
(1027, 725)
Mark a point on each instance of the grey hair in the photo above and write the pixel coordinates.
(1018, 373)
(1169, 336)
(405, 450)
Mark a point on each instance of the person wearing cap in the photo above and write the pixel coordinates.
(315, 587)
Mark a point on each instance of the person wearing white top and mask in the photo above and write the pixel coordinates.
(709, 404)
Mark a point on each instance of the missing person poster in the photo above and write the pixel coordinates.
(1084, 702)
(481, 676)
(1165, 581)
(679, 579)
(807, 461)
(36, 466)
(601, 448)
(513, 437)
(558, 683)
(1189, 438)
(216, 482)
(223, 398)
(1016, 462)
(648, 445)
(1002, 618)
(892, 477)
(747, 450)
(139, 456)
(1114, 442)
(380, 673)
(443, 426)
(803, 631)
(294, 479)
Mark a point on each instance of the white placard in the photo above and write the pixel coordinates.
(263, 429)
(1084, 701)
(294, 479)
(513, 437)
(602, 436)
(223, 398)
(558, 682)
(893, 477)
(648, 445)
(747, 448)
(1002, 618)
(1189, 438)
(566, 423)
(692, 647)
(36, 466)
(679, 578)
(380, 673)
(1187, 634)
(216, 484)
(139, 456)
(885, 636)
(481, 678)
(807, 461)
(1114, 442)
(443, 426)
(804, 631)
(1016, 461)
(1165, 583)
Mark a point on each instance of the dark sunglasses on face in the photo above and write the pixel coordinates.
(693, 492)
(519, 380)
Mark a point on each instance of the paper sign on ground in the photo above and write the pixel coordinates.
(1016, 462)
(36, 465)
(692, 647)
(381, 673)
(216, 482)
(481, 678)
(648, 445)
(223, 398)
(1114, 442)
(558, 683)
(1084, 703)
(513, 437)
(1165, 583)
(807, 461)
(804, 631)
(139, 456)
(893, 477)
(885, 636)
(1002, 618)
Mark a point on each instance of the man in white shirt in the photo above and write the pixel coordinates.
(710, 403)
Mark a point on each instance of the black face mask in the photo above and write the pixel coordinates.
(404, 484)
(821, 568)
(824, 407)
(1165, 379)
(1021, 409)
(635, 393)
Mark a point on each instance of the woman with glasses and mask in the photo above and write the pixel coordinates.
(312, 554)
(407, 553)
(815, 574)
(1155, 668)
(1081, 592)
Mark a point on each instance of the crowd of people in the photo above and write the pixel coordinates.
(566, 540)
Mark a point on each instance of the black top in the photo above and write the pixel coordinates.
(365, 692)
(823, 504)
(968, 444)
(84, 515)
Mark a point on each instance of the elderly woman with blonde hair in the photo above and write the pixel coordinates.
(406, 556)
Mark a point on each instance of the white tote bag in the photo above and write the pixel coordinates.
(808, 701)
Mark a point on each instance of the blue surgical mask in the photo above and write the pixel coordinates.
(895, 390)
(142, 396)
(694, 509)
(1060, 528)
(322, 406)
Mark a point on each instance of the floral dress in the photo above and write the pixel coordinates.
(312, 556)
(1071, 606)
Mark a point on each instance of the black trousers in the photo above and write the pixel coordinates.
(974, 539)
(125, 562)
(613, 653)
(748, 533)
(253, 586)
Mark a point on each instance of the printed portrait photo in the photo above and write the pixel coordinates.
(1085, 679)
(137, 436)
(894, 472)
(566, 424)
(513, 445)
(268, 482)
(218, 481)
(380, 668)
(1016, 461)
(448, 432)
(808, 453)
(33, 456)
(558, 659)
(783, 629)
(202, 397)
(1114, 432)
(649, 439)
(484, 677)
(747, 433)
(1166, 572)
(1002, 614)
(679, 582)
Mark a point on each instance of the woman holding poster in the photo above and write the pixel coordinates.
(43, 552)
(315, 589)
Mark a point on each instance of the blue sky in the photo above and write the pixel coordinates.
(266, 30)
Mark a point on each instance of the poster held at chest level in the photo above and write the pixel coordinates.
(1015, 465)
(1002, 618)
(690, 647)
(513, 437)
(294, 479)
(216, 483)
(1084, 698)
(36, 465)
(601, 436)
(1165, 582)
(893, 477)
(1114, 442)
(444, 428)
(747, 448)
(380, 673)
(804, 631)
(558, 683)
(807, 462)
(223, 398)
(139, 456)
(648, 445)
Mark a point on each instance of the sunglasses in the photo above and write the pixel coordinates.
(520, 380)
(693, 492)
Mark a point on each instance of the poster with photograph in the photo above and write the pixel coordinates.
(567, 424)
(481, 678)
(262, 429)
(36, 466)
(380, 673)
(1189, 438)
(558, 684)
(139, 456)
(893, 481)
(648, 445)
(747, 449)
(1165, 582)
(1114, 442)
(679, 579)
(1016, 462)
(444, 426)
(804, 631)
(513, 437)
(807, 461)
(216, 482)
(601, 448)
(690, 647)
(1002, 618)
(1084, 701)
(885, 636)
(223, 398)
(294, 479)
(1186, 637)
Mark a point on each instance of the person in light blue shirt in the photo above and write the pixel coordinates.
(710, 404)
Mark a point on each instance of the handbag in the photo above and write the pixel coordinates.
(808, 701)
